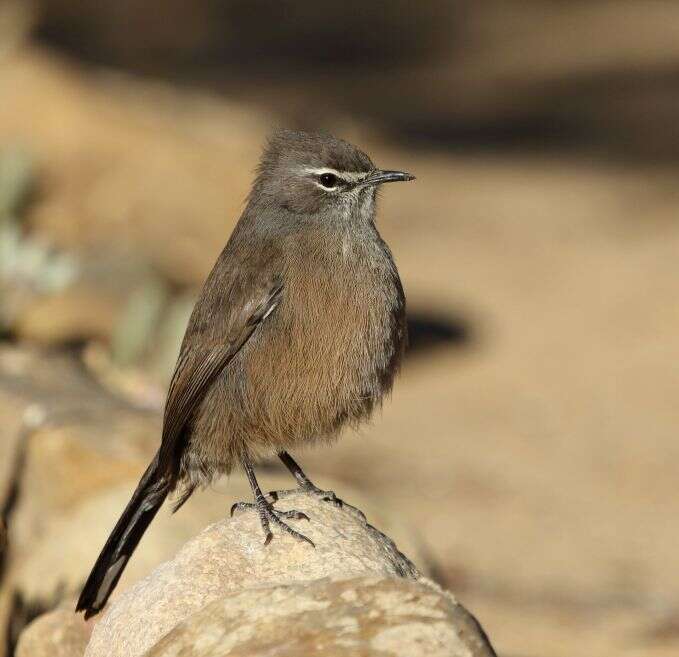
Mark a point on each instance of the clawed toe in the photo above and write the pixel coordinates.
(292, 515)
(242, 506)
(288, 530)
(268, 515)
(329, 496)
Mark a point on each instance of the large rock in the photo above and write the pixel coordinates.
(12, 409)
(230, 556)
(63, 439)
(82, 449)
(62, 553)
(365, 616)
(60, 633)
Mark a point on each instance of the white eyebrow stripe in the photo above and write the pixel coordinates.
(349, 176)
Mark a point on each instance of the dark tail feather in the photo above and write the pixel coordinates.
(137, 516)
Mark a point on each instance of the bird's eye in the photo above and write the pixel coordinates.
(328, 180)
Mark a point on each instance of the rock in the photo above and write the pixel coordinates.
(63, 551)
(5, 620)
(16, 368)
(63, 439)
(361, 616)
(230, 556)
(10, 442)
(79, 312)
(74, 458)
(56, 562)
(60, 633)
(87, 440)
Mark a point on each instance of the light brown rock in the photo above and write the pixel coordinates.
(230, 556)
(59, 633)
(75, 456)
(61, 555)
(366, 616)
(73, 314)
(62, 440)
(13, 405)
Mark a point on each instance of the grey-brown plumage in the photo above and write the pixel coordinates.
(299, 330)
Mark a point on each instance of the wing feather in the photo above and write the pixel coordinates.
(199, 364)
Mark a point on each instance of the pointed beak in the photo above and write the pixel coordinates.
(379, 176)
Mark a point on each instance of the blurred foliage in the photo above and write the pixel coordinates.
(132, 333)
(27, 265)
(16, 182)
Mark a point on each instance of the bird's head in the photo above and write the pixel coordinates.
(319, 175)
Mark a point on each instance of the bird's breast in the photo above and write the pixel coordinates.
(331, 347)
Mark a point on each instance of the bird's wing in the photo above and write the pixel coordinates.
(206, 355)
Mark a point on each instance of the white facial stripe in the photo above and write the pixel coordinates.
(349, 176)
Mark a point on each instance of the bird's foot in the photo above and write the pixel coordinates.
(269, 516)
(309, 489)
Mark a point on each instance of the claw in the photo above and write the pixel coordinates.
(293, 515)
(242, 506)
(333, 499)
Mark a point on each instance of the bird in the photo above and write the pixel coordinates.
(298, 331)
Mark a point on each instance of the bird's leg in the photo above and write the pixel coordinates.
(267, 514)
(305, 484)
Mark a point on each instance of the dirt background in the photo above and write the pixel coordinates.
(529, 451)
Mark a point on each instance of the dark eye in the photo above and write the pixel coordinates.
(328, 180)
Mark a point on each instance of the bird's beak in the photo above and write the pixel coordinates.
(379, 176)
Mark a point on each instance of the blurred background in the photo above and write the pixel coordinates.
(529, 451)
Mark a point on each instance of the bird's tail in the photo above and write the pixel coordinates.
(135, 519)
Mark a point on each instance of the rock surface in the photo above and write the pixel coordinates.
(65, 549)
(230, 556)
(63, 439)
(59, 633)
(361, 616)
